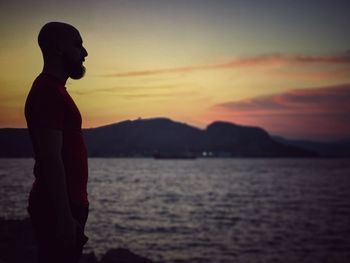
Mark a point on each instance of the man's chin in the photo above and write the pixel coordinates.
(77, 74)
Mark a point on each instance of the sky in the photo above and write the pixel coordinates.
(278, 64)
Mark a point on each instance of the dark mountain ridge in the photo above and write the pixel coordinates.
(146, 137)
(324, 149)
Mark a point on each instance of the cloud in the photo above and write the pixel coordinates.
(324, 99)
(172, 95)
(160, 92)
(325, 74)
(119, 90)
(263, 60)
(321, 112)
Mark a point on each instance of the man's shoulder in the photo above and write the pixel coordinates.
(42, 89)
(44, 95)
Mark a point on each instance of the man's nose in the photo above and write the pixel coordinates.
(85, 53)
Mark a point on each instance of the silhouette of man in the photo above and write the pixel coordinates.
(58, 204)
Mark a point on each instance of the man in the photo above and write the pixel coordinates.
(58, 203)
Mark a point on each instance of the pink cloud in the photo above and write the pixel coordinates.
(325, 74)
(264, 60)
(314, 113)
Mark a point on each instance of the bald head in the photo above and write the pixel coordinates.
(62, 48)
(55, 34)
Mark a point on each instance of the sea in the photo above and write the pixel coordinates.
(215, 210)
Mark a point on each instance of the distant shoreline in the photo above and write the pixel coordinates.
(197, 158)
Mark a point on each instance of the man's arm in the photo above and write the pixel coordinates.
(49, 145)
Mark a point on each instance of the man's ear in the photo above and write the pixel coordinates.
(58, 49)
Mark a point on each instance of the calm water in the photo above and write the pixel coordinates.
(209, 210)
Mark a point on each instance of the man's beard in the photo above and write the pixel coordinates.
(74, 69)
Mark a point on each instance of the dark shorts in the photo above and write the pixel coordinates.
(43, 219)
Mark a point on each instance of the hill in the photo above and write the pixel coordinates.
(146, 137)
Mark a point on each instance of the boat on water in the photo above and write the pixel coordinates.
(174, 156)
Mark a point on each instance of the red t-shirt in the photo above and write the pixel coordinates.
(49, 105)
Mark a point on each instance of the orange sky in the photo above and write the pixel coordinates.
(192, 61)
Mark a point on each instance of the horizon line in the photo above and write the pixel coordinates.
(203, 129)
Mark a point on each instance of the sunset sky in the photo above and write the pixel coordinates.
(278, 64)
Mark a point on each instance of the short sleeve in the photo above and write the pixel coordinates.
(45, 110)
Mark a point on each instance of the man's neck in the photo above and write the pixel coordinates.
(56, 72)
